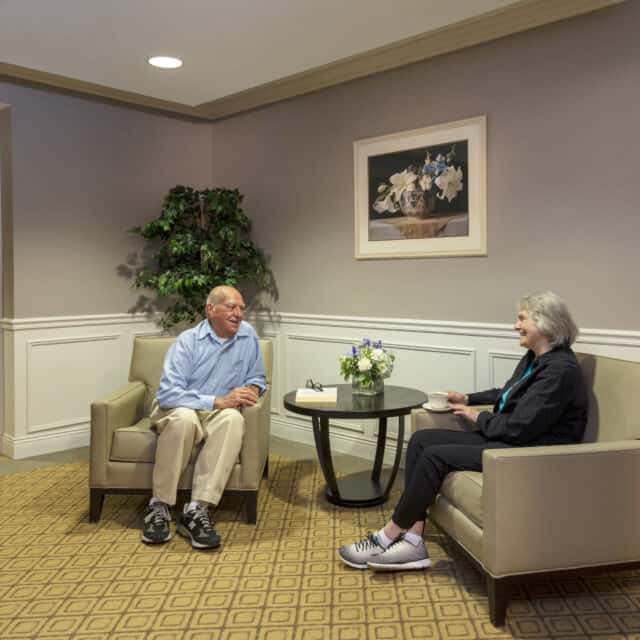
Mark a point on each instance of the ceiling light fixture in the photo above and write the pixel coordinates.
(165, 62)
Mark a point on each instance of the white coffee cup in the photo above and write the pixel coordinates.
(438, 399)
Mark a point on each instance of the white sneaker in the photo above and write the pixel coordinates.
(358, 554)
(401, 555)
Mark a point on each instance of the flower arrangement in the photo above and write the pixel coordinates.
(415, 182)
(367, 364)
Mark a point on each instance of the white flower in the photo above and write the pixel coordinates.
(401, 182)
(450, 181)
(425, 182)
(385, 204)
(382, 368)
(377, 355)
(364, 364)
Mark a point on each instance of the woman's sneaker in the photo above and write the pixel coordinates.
(155, 527)
(401, 555)
(196, 525)
(358, 554)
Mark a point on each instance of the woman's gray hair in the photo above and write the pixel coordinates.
(551, 316)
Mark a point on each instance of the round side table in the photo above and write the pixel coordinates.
(363, 489)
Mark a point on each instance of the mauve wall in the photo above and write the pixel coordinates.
(84, 173)
(563, 138)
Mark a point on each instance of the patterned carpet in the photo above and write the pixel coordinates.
(64, 578)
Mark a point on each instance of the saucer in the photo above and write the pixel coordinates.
(428, 407)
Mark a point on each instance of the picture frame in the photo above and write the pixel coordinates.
(422, 193)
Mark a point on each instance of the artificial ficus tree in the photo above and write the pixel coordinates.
(200, 240)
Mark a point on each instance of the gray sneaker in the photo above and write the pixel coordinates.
(155, 528)
(358, 554)
(401, 555)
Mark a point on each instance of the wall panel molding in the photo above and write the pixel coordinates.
(430, 355)
(491, 349)
(54, 368)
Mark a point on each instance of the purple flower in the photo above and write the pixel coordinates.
(354, 351)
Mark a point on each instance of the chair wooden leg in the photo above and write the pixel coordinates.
(251, 505)
(96, 500)
(265, 472)
(498, 590)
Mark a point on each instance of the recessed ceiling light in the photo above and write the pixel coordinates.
(165, 62)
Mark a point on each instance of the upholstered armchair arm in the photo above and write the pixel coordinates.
(255, 446)
(119, 409)
(423, 419)
(560, 507)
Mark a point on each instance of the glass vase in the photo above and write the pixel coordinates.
(358, 387)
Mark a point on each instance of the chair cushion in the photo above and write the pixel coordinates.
(136, 443)
(463, 489)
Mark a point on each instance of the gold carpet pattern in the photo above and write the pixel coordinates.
(64, 578)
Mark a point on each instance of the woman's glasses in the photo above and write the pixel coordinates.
(316, 386)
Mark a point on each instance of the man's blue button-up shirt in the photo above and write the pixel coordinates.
(199, 367)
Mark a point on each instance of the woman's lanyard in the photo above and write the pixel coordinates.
(503, 397)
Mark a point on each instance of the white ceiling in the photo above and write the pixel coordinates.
(227, 46)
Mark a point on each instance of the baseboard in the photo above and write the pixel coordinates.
(40, 444)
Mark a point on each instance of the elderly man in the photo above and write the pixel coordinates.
(210, 373)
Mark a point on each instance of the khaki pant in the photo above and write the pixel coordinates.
(219, 436)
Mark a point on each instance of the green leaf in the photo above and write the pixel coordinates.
(199, 240)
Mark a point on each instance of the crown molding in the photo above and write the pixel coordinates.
(521, 16)
(71, 86)
(515, 18)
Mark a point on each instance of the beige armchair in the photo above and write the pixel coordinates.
(537, 511)
(123, 445)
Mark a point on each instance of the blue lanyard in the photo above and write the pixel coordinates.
(503, 397)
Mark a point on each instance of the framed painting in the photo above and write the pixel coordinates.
(422, 193)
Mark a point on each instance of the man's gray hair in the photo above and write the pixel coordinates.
(218, 294)
(551, 316)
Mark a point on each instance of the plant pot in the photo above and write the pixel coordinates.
(359, 388)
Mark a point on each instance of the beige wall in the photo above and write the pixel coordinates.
(5, 180)
(6, 262)
(84, 173)
(563, 138)
(561, 103)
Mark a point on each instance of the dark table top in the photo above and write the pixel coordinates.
(395, 401)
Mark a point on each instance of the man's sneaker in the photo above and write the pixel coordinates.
(195, 524)
(155, 528)
(358, 554)
(401, 555)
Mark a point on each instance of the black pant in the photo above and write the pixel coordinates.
(431, 455)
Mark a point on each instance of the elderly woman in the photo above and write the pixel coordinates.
(544, 403)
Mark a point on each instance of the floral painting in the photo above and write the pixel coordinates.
(422, 193)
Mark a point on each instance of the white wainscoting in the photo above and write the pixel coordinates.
(55, 367)
(429, 356)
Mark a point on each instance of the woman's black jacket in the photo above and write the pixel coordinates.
(549, 406)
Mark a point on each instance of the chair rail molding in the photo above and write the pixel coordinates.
(56, 366)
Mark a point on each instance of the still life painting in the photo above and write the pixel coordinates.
(422, 193)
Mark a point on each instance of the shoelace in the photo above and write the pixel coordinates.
(369, 542)
(201, 515)
(159, 515)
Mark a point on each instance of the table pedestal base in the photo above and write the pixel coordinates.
(359, 490)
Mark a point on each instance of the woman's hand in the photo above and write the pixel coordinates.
(455, 397)
(466, 412)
